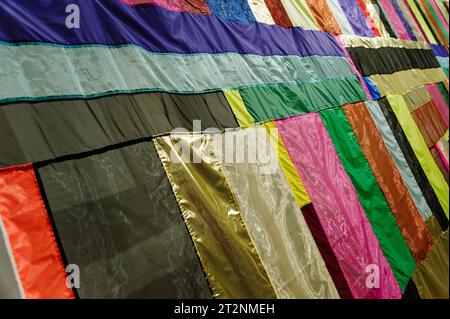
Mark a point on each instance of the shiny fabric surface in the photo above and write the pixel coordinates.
(440, 102)
(154, 29)
(213, 217)
(420, 148)
(236, 10)
(399, 159)
(408, 218)
(370, 195)
(323, 16)
(278, 13)
(340, 17)
(336, 203)
(36, 255)
(356, 18)
(35, 132)
(274, 220)
(260, 11)
(300, 14)
(430, 123)
(394, 19)
(118, 220)
(284, 100)
(40, 71)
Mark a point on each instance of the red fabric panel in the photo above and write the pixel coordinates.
(369, 18)
(278, 12)
(39, 263)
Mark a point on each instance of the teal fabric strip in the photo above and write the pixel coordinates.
(33, 72)
(370, 195)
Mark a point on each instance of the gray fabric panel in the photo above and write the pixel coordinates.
(399, 159)
(8, 285)
(119, 221)
(31, 132)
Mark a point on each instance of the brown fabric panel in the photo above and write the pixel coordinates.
(408, 218)
(324, 16)
(437, 158)
(278, 13)
(432, 276)
(430, 123)
(311, 218)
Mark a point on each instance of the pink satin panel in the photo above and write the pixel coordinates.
(172, 5)
(394, 19)
(334, 198)
(439, 101)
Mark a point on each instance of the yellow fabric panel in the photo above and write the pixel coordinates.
(417, 97)
(403, 81)
(421, 21)
(432, 276)
(289, 170)
(421, 151)
(234, 98)
(274, 221)
(213, 217)
(260, 11)
(300, 14)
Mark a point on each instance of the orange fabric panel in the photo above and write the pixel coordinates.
(411, 224)
(430, 123)
(324, 16)
(33, 245)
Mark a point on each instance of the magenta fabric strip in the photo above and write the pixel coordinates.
(173, 5)
(394, 19)
(355, 69)
(437, 98)
(336, 203)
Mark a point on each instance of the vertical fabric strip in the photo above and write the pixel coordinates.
(340, 17)
(300, 14)
(234, 98)
(395, 19)
(213, 217)
(370, 195)
(260, 11)
(334, 198)
(356, 18)
(324, 16)
(408, 218)
(399, 159)
(36, 254)
(420, 148)
(278, 13)
(273, 218)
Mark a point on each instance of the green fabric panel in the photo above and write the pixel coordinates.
(370, 195)
(443, 90)
(37, 72)
(280, 101)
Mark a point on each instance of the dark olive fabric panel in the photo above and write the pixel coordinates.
(9, 288)
(413, 162)
(118, 220)
(32, 132)
(388, 60)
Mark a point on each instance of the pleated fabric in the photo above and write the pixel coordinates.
(214, 219)
(413, 162)
(432, 276)
(26, 223)
(36, 132)
(118, 221)
(408, 218)
(421, 150)
(334, 198)
(400, 161)
(272, 216)
(370, 195)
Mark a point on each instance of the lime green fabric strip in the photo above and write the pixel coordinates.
(281, 101)
(370, 195)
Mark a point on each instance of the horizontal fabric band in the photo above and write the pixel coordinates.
(403, 81)
(281, 101)
(155, 29)
(34, 132)
(389, 60)
(37, 72)
(380, 42)
(192, 6)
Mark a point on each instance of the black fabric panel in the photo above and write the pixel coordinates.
(32, 132)
(9, 288)
(411, 291)
(388, 60)
(413, 162)
(118, 220)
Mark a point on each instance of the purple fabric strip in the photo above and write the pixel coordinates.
(439, 50)
(356, 18)
(155, 29)
(403, 20)
(341, 215)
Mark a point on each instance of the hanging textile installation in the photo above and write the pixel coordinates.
(224, 149)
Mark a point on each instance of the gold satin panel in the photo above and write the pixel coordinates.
(417, 97)
(355, 41)
(213, 217)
